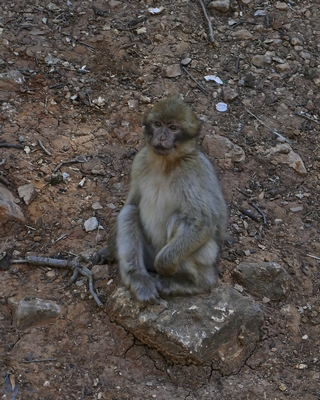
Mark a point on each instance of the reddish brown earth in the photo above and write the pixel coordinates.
(101, 55)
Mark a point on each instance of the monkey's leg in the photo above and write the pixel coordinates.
(196, 274)
(107, 254)
(131, 255)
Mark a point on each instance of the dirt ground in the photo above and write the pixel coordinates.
(91, 71)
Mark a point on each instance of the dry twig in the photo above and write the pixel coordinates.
(250, 214)
(268, 127)
(78, 159)
(69, 264)
(14, 146)
(305, 116)
(43, 148)
(211, 34)
(194, 79)
(260, 212)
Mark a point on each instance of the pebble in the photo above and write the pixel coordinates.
(186, 61)
(27, 193)
(229, 95)
(172, 71)
(11, 81)
(260, 60)
(243, 34)
(281, 6)
(91, 224)
(220, 5)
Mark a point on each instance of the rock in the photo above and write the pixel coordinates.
(261, 61)
(264, 279)
(100, 271)
(158, 38)
(34, 311)
(243, 34)
(220, 328)
(97, 206)
(283, 67)
(9, 210)
(11, 81)
(27, 192)
(284, 154)
(220, 5)
(91, 224)
(229, 95)
(186, 61)
(281, 6)
(224, 150)
(172, 71)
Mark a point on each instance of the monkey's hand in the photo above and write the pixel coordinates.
(103, 256)
(145, 288)
(165, 264)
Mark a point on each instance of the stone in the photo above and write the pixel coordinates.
(281, 6)
(27, 192)
(11, 81)
(100, 271)
(263, 279)
(220, 328)
(33, 311)
(9, 210)
(224, 150)
(172, 71)
(283, 67)
(229, 94)
(220, 5)
(91, 224)
(243, 34)
(186, 61)
(283, 154)
(261, 61)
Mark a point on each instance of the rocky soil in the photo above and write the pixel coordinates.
(85, 74)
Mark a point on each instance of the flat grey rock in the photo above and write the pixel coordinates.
(220, 328)
(9, 210)
(33, 311)
(263, 279)
(27, 192)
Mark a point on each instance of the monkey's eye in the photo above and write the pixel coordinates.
(158, 124)
(173, 127)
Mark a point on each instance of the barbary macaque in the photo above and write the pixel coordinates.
(169, 233)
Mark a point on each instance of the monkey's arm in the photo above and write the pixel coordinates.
(185, 236)
(130, 243)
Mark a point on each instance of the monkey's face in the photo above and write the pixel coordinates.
(163, 137)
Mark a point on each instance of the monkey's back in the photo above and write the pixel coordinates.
(189, 187)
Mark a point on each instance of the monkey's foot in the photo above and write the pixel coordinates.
(174, 286)
(103, 256)
(145, 288)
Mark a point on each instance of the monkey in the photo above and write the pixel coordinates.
(168, 234)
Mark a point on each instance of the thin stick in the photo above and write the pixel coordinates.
(250, 214)
(211, 34)
(307, 117)
(14, 146)
(198, 83)
(315, 257)
(78, 159)
(70, 264)
(43, 148)
(44, 360)
(260, 212)
(268, 127)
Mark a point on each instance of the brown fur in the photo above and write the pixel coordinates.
(170, 230)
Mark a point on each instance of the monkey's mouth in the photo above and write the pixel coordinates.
(161, 151)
